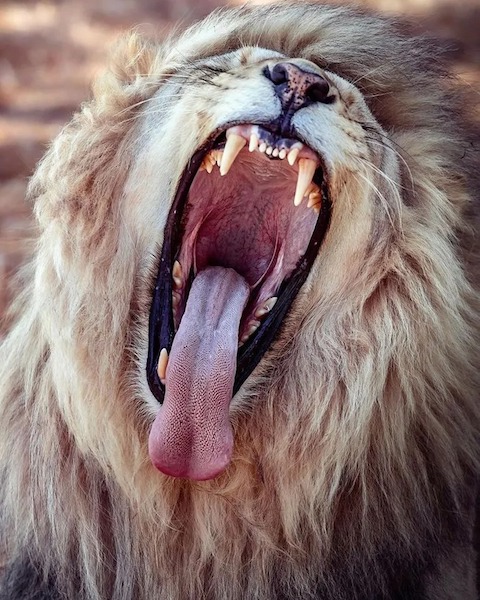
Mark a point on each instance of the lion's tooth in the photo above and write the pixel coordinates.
(262, 147)
(306, 171)
(282, 154)
(162, 365)
(252, 328)
(217, 157)
(232, 148)
(266, 307)
(177, 274)
(175, 299)
(253, 142)
(292, 156)
(208, 165)
(269, 150)
(275, 152)
(314, 199)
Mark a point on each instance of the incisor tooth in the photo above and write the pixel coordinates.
(232, 148)
(292, 156)
(253, 142)
(269, 150)
(262, 147)
(282, 154)
(177, 274)
(162, 365)
(208, 166)
(306, 171)
(275, 152)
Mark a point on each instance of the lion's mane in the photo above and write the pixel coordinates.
(357, 442)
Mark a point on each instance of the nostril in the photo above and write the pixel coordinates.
(318, 91)
(277, 75)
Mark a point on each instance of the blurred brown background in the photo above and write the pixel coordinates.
(50, 50)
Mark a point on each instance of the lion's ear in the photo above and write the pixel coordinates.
(134, 61)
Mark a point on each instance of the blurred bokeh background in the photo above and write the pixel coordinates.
(51, 49)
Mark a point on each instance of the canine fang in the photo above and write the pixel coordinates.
(232, 148)
(162, 365)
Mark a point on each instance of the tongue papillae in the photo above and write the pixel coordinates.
(191, 435)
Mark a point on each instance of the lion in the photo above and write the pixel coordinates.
(244, 363)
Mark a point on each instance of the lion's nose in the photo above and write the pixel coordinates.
(297, 88)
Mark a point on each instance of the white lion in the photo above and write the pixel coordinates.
(276, 206)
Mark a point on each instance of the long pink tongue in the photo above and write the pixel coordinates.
(191, 435)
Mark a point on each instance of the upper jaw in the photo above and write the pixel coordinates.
(275, 146)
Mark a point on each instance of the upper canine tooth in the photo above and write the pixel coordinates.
(306, 171)
(232, 148)
(253, 142)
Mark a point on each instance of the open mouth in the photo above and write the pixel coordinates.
(246, 224)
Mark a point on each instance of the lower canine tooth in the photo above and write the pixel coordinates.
(162, 365)
(232, 148)
(306, 171)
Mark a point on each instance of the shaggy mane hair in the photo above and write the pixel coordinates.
(356, 439)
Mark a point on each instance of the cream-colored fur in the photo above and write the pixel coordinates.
(356, 439)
